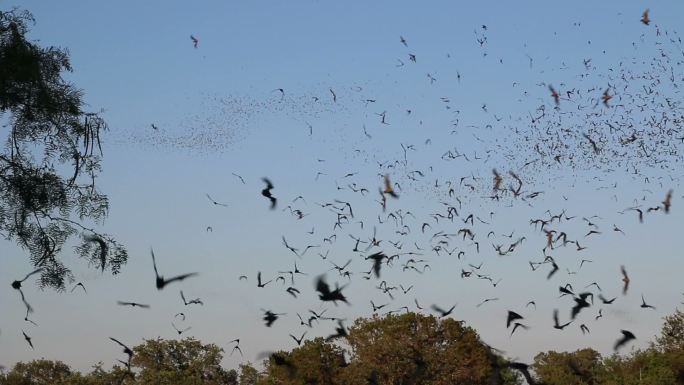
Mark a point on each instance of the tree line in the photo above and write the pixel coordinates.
(411, 348)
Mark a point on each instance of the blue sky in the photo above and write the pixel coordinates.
(218, 114)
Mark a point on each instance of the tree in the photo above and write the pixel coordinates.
(315, 362)
(417, 349)
(179, 362)
(248, 374)
(118, 375)
(672, 333)
(642, 367)
(38, 372)
(671, 342)
(581, 367)
(51, 158)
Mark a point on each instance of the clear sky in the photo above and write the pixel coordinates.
(218, 113)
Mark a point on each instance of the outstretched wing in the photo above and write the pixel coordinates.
(180, 277)
(154, 263)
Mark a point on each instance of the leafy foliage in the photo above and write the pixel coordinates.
(396, 349)
(51, 157)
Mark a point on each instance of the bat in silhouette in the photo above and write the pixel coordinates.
(128, 351)
(298, 340)
(626, 337)
(644, 305)
(259, 284)
(26, 318)
(292, 291)
(486, 300)
(270, 317)
(518, 325)
(238, 176)
(556, 324)
(195, 41)
(133, 304)
(82, 287)
(377, 262)
(388, 188)
(497, 180)
(554, 94)
(581, 303)
(236, 347)
(325, 294)
(584, 329)
(160, 281)
(195, 301)
(340, 332)
(28, 339)
(512, 316)
(214, 202)
(292, 249)
(667, 202)
(443, 313)
(625, 280)
(267, 193)
(554, 269)
(180, 331)
(606, 97)
(606, 301)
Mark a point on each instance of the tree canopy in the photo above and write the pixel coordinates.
(51, 158)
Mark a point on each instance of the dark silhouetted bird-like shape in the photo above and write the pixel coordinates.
(626, 337)
(667, 202)
(195, 301)
(160, 281)
(180, 331)
(556, 324)
(442, 312)
(267, 193)
(325, 294)
(128, 351)
(518, 325)
(377, 262)
(82, 287)
(581, 303)
(388, 188)
(259, 283)
(512, 316)
(625, 280)
(270, 317)
(605, 300)
(132, 304)
(28, 339)
(644, 305)
(298, 340)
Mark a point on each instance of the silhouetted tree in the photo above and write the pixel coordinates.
(248, 374)
(417, 349)
(315, 362)
(51, 158)
(38, 372)
(179, 362)
(581, 367)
